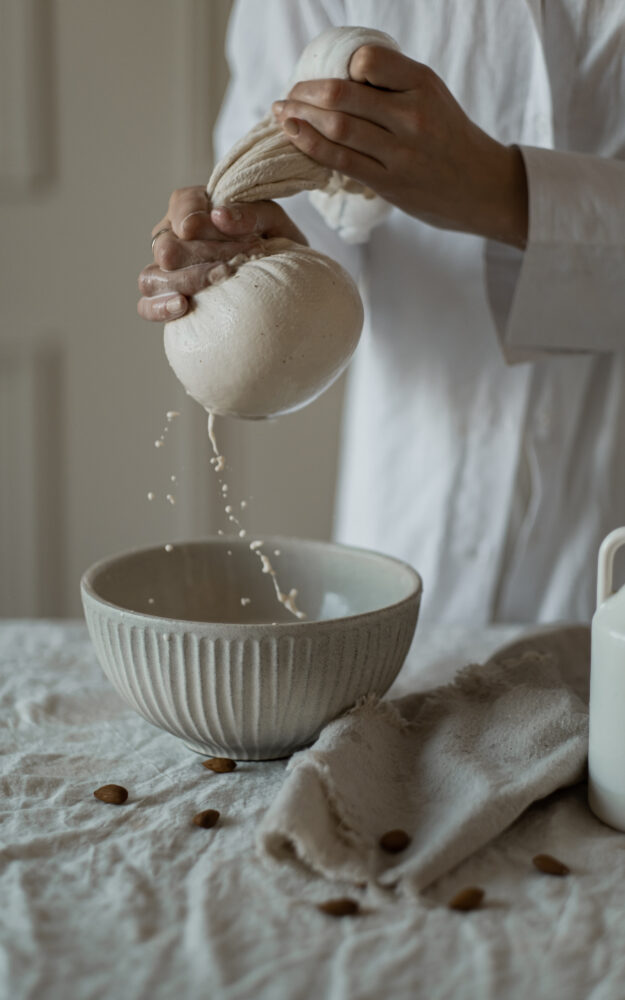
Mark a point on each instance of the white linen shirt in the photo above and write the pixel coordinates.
(483, 435)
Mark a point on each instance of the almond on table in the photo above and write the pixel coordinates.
(394, 841)
(467, 899)
(342, 907)
(113, 794)
(549, 865)
(207, 818)
(221, 765)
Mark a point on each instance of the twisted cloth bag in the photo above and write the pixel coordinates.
(279, 324)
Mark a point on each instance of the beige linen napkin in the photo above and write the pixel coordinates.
(453, 767)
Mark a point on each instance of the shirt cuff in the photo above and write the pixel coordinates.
(566, 291)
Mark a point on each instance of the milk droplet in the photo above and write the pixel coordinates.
(170, 499)
(150, 495)
(245, 600)
(228, 552)
(169, 548)
(277, 552)
(173, 479)
(219, 531)
(171, 414)
(159, 443)
(150, 600)
(219, 462)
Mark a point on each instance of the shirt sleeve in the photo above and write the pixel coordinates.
(566, 291)
(264, 42)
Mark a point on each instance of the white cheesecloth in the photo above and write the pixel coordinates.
(265, 164)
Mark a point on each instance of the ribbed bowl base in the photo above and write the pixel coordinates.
(211, 750)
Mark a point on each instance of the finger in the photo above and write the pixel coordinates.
(163, 308)
(189, 208)
(345, 129)
(186, 280)
(170, 253)
(264, 218)
(341, 95)
(161, 300)
(330, 154)
(161, 226)
(386, 68)
(196, 225)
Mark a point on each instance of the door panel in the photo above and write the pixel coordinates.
(111, 106)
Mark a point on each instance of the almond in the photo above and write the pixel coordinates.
(219, 764)
(114, 794)
(550, 865)
(206, 819)
(394, 841)
(467, 899)
(343, 907)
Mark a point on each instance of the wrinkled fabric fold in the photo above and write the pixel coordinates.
(453, 767)
(264, 164)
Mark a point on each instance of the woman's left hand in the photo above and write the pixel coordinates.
(395, 127)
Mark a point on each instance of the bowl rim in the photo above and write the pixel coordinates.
(144, 617)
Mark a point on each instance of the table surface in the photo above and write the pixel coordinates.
(134, 901)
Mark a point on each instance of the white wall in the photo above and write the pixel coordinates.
(111, 105)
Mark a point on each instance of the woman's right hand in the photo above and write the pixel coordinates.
(193, 243)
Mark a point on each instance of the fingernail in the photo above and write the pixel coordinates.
(174, 305)
(278, 107)
(291, 126)
(183, 224)
(231, 213)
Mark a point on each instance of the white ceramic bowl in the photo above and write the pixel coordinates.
(249, 681)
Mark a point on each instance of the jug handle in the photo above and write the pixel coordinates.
(607, 551)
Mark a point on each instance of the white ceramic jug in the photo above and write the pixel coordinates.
(606, 749)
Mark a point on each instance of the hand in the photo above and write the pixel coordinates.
(194, 244)
(395, 127)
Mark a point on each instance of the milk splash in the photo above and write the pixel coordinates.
(218, 462)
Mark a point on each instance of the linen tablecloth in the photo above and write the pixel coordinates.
(134, 901)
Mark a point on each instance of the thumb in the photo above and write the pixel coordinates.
(385, 68)
(263, 218)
